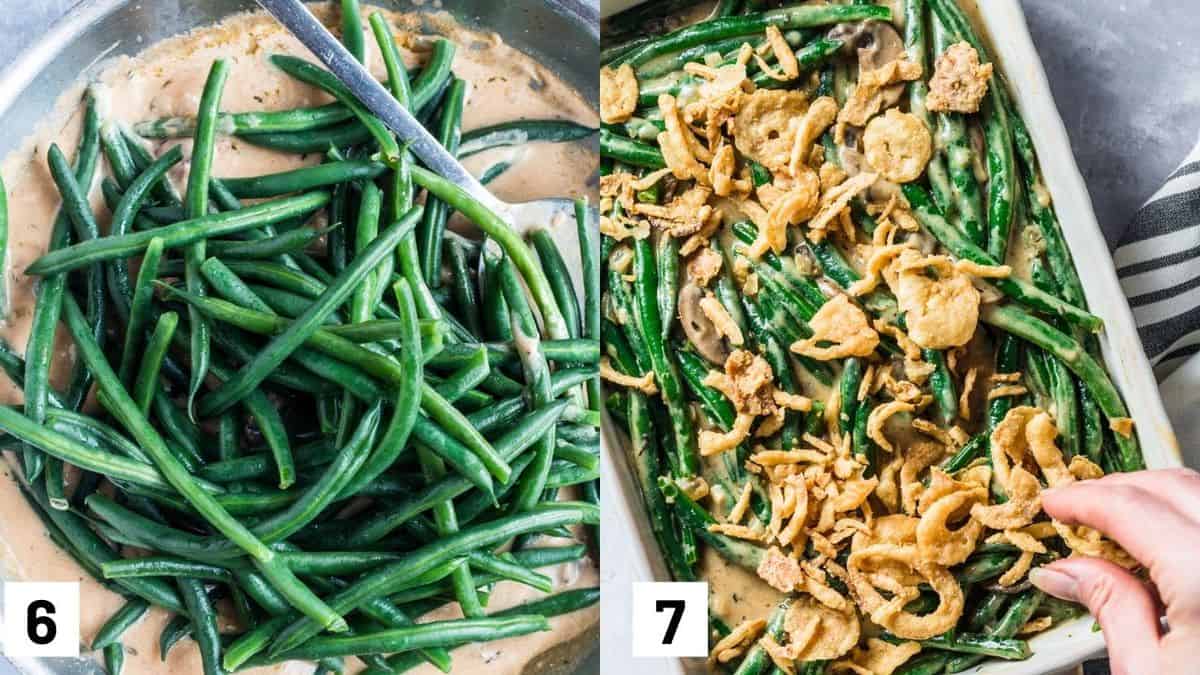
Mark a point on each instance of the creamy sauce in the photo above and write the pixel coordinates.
(166, 80)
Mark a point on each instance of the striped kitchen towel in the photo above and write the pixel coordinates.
(1158, 262)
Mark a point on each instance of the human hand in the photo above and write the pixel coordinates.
(1155, 516)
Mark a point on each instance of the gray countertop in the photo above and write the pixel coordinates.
(1122, 74)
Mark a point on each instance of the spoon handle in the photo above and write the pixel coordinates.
(293, 15)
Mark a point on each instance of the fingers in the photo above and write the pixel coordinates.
(1135, 515)
(1125, 608)
(1178, 487)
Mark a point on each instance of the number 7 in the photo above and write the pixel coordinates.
(676, 607)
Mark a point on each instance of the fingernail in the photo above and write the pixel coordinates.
(1055, 583)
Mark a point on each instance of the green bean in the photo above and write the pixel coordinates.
(40, 345)
(196, 205)
(973, 643)
(247, 123)
(1020, 291)
(630, 151)
(302, 179)
(352, 30)
(941, 381)
(413, 564)
(510, 445)
(318, 140)
(309, 73)
(433, 76)
(495, 228)
(298, 331)
(1008, 358)
(756, 658)
(270, 247)
(848, 386)
(983, 567)
(463, 288)
(126, 411)
(114, 658)
(163, 567)
(1017, 615)
(139, 309)
(432, 229)
(796, 16)
(204, 624)
(558, 604)
(952, 139)
(110, 633)
(1075, 357)
(1002, 179)
(861, 441)
(560, 279)
(521, 132)
(649, 322)
(68, 449)
(146, 381)
(176, 629)
(423, 636)
(694, 517)
(969, 452)
(173, 236)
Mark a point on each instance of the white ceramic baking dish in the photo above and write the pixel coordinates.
(636, 556)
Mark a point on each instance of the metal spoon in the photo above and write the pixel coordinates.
(523, 216)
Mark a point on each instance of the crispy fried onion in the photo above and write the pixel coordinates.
(717, 314)
(735, 644)
(889, 612)
(644, 384)
(837, 200)
(762, 128)
(941, 311)
(618, 94)
(781, 571)
(818, 633)
(898, 145)
(959, 82)
(868, 96)
(678, 143)
(1083, 540)
(1023, 505)
(822, 113)
(879, 417)
(685, 215)
(796, 205)
(879, 658)
(714, 442)
(842, 323)
(936, 541)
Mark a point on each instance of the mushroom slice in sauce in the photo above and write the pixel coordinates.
(700, 331)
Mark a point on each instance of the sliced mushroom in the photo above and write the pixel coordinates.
(876, 43)
(700, 331)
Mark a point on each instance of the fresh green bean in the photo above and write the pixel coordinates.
(521, 132)
(110, 633)
(125, 410)
(298, 331)
(309, 73)
(173, 236)
(432, 229)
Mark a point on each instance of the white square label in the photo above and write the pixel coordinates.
(41, 618)
(670, 619)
